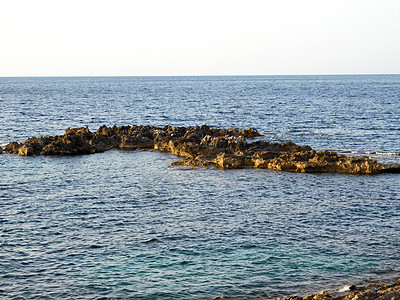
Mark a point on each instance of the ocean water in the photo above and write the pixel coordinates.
(124, 225)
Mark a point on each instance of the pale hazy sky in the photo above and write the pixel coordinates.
(184, 37)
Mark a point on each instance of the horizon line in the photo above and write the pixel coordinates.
(202, 75)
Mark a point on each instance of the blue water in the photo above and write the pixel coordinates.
(122, 224)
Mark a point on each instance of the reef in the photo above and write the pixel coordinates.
(202, 146)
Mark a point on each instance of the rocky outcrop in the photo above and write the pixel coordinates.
(389, 291)
(372, 292)
(202, 146)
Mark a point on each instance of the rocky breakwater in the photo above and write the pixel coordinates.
(202, 146)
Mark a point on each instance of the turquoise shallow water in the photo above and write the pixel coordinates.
(122, 224)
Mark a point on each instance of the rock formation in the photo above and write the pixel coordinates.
(202, 146)
(373, 292)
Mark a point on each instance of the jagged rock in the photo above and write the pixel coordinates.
(12, 148)
(202, 146)
(223, 142)
(32, 146)
(372, 292)
(136, 142)
(225, 161)
(74, 141)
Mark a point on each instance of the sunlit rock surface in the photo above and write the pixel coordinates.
(373, 292)
(202, 146)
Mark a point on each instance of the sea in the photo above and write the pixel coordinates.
(126, 225)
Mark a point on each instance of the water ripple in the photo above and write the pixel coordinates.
(122, 224)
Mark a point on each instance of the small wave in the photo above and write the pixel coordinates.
(373, 153)
(386, 153)
(347, 288)
(150, 241)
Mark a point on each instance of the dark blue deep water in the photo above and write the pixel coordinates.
(123, 225)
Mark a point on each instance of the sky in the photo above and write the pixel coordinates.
(185, 37)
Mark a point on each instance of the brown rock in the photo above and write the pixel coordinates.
(225, 161)
(383, 292)
(12, 147)
(136, 142)
(224, 142)
(202, 146)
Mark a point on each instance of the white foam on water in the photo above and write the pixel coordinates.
(373, 153)
(387, 153)
(346, 288)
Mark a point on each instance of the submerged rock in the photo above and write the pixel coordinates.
(202, 146)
